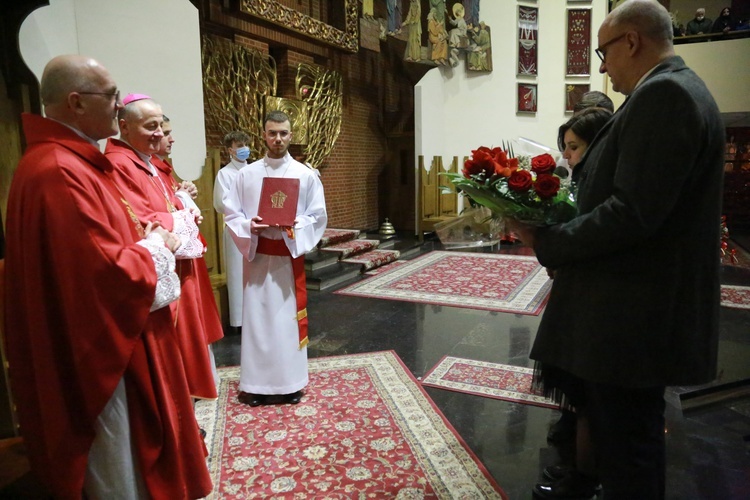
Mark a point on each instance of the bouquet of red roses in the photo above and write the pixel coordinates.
(522, 188)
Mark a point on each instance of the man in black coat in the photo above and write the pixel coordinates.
(635, 302)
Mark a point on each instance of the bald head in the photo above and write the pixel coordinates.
(634, 38)
(80, 92)
(648, 17)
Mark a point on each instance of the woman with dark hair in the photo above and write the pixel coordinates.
(575, 135)
(724, 22)
(573, 139)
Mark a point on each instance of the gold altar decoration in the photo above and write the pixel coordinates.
(297, 113)
(274, 12)
(236, 82)
(322, 90)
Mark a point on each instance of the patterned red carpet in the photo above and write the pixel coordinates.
(737, 297)
(387, 267)
(334, 236)
(494, 282)
(492, 380)
(373, 259)
(364, 429)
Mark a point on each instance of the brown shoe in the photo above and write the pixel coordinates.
(250, 399)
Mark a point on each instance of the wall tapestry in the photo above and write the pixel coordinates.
(579, 42)
(574, 94)
(528, 29)
(527, 98)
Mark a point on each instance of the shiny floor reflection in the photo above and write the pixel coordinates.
(707, 452)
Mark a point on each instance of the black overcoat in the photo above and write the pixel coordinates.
(635, 300)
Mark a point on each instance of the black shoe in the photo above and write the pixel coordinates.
(293, 398)
(564, 429)
(202, 432)
(571, 486)
(556, 472)
(247, 398)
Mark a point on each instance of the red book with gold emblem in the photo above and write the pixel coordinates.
(278, 201)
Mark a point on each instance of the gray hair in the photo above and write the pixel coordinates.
(648, 17)
(132, 110)
(594, 99)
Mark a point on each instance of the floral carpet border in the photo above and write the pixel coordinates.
(491, 380)
(526, 296)
(450, 466)
(736, 297)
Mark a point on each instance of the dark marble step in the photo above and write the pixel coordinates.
(317, 260)
(332, 275)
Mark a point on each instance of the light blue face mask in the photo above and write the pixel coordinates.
(242, 153)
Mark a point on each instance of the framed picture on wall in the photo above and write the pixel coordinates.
(528, 30)
(527, 98)
(578, 34)
(573, 94)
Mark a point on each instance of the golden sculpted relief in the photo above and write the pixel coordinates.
(273, 11)
(240, 85)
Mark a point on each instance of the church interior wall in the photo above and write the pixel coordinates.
(480, 108)
(143, 53)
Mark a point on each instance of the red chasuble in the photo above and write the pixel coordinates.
(78, 294)
(195, 314)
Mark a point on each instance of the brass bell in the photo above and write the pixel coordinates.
(386, 228)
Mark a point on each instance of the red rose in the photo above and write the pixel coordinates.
(543, 164)
(480, 162)
(547, 186)
(520, 181)
(493, 161)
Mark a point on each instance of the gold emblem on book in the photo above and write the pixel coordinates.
(277, 199)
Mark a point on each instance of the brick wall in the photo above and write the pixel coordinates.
(377, 101)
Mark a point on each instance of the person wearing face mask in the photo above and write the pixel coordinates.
(700, 24)
(236, 143)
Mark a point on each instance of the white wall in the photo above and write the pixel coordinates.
(457, 111)
(150, 47)
(725, 67)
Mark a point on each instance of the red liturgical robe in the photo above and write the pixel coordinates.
(78, 294)
(196, 315)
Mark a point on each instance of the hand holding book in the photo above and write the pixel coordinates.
(278, 201)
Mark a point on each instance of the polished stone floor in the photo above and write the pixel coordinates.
(707, 449)
(708, 446)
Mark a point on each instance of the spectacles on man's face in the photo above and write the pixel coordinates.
(115, 94)
(602, 53)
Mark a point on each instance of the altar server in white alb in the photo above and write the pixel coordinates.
(236, 143)
(274, 324)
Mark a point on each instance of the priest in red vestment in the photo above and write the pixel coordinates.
(152, 195)
(97, 377)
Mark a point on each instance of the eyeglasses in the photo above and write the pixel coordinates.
(115, 94)
(602, 53)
